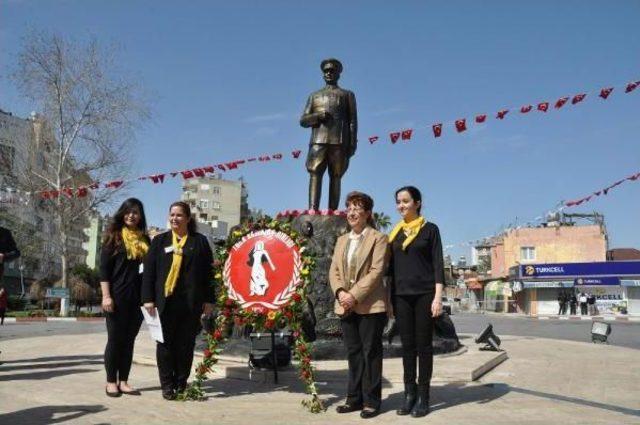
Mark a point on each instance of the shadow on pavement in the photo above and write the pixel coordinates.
(49, 414)
(574, 400)
(42, 375)
(79, 357)
(50, 365)
(450, 395)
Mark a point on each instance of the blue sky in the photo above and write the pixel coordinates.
(230, 79)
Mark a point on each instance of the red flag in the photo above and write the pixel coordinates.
(264, 158)
(373, 139)
(394, 136)
(157, 178)
(221, 167)
(199, 172)
(437, 130)
(543, 106)
(296, 153)
(114, 184)
(631, 86)
(231, 165)
(604, 93)
(82, 192)
(502, 113)
(560, 102)
(406, 134)
(241, 161)
(187, 174)
(207, 169)
(578, 98)
(173, 173)
(481, 118)
(277, 156)
(67, 192)
(461, 125)
(525, 109)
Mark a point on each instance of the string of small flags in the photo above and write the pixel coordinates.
(461, 124)
(602, 192)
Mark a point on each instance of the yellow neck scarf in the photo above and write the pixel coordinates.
(410, 229)
(134, 243)
(174, 272)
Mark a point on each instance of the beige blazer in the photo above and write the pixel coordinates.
(372, 258)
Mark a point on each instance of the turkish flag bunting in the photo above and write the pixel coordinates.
(114, 184)
(242, 161)
(604, 93)
(481, 118)
(199, 172)
(221, 167)
(157, 178)
(502, 113)
(544, 106)
(437, 130)
(406, 134)
(173, 173)
(252, 159)
(631, 86)
(525, 109)
(394, 136)
(296, 153)
(560, 102)
(82, 192)
(277, 156)
(187, 174)
(231, 165)
(461, 125)
(373, 139)
(67, 192)
(264, 158)
(207, 169)
(578, 98)
(633, 177)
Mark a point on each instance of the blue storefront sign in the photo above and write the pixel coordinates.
(597, 281)
(580, 270)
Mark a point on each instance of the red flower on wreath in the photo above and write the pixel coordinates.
(296, 297)
(269, 324)
(207, 353)
(229, 302)
(217, 335)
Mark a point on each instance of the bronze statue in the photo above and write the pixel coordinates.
(331, 113)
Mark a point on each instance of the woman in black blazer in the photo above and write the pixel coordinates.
(177, 280)
(125, 245)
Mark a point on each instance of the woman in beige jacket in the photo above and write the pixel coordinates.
(359, 261)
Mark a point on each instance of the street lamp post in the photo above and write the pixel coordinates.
(21, 268)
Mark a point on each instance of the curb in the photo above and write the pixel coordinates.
(52, 319)
(590, 318)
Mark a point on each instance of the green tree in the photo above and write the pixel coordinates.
(382, 221)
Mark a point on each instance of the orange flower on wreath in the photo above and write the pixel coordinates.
(272, 315)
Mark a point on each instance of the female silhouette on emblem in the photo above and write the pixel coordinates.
(257, 256)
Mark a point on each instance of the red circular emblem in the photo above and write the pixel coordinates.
(263, 270)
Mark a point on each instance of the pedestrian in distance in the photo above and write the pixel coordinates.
(591, 304)
(177, 280)
(356, 277)
(583, 303)
(8, 252)
(417, 279)
(573, 304)
(562, 303)
(121, 259)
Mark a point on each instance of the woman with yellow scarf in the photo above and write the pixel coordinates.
(417, 271)
(125, 245)
(178, 282)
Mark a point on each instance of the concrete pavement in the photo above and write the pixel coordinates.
(60, 379)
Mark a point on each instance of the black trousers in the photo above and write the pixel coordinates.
(583, 309)
(174, 356)
(415, 325)
(123, 326)
(362, 334)
(2, 313)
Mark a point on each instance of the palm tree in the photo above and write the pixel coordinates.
(382, 221)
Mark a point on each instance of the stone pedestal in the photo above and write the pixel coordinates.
(326, 230)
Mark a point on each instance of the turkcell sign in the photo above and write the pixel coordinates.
(597, 281)
(584, 270)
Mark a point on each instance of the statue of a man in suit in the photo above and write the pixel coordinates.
(331, 114)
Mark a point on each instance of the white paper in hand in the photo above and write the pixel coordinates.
(153, 324)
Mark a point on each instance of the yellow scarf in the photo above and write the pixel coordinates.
(410, 229)
(174, 272)
(134, 243)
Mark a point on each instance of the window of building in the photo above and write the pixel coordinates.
(203, 217)
(527, 253)
(204, 203)
(216, 205)
(216, 190)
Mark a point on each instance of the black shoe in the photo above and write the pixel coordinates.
(369, 412)
(110, 394)
(169, 394)
(421, 408)
(348, 408)
(410, 394)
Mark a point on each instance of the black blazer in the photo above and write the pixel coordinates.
(196, 271)
(7, 247)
